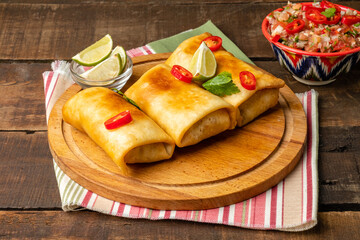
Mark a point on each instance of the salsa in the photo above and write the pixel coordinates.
(318, 27)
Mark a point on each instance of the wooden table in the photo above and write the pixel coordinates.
(35, 32)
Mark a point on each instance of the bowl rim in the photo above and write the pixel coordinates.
(106, 82)
(264, 26)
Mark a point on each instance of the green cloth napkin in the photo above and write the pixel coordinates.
(170, 44)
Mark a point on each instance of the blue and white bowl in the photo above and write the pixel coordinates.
(312, 68)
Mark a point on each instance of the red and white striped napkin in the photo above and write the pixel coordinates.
(289, 206)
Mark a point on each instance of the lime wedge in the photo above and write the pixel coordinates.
(108, 69)
(203, 63)
(95, 53)
(120, 50)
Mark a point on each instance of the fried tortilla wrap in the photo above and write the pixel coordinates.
(249, 103)
(185, 111)
(139, 141)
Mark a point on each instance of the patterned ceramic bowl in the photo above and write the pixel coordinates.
(312, 68)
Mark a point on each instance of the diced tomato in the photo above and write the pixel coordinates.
(276, 38)
(338, 46)
(283, 24)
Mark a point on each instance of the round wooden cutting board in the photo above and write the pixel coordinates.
(228, 168)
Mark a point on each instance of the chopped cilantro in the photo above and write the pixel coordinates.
(297, 38)
(351, 32)
(329, 12)
(291, 18)
(125, 97)
(221, 85)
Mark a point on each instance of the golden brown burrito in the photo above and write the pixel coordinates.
(185, 111)
(249, 103)
(139, 141)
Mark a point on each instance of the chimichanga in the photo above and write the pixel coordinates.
(249, 103)
(139, 141)
(185, 111)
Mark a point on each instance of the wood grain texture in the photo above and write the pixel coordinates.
(22, 97)
(42, 32)
(27, 177)
(335, 150)
(207, 175)
(60, 225)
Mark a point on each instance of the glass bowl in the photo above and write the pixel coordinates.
(117, 82)
(312, 68)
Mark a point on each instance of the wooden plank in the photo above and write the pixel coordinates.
(339, 168)
(22, 96)
(23, 102)
(339, 185)
(42, 30)
(27, 177)
(84, 225)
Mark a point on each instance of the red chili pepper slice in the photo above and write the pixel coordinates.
(247, 80)
(350, 19)
(326, 4)
(213, 42)
(276, 38)
(308, 7)
(119, 120)
(295, 26)
(333, 20)
(181, 73)
(315, 16)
